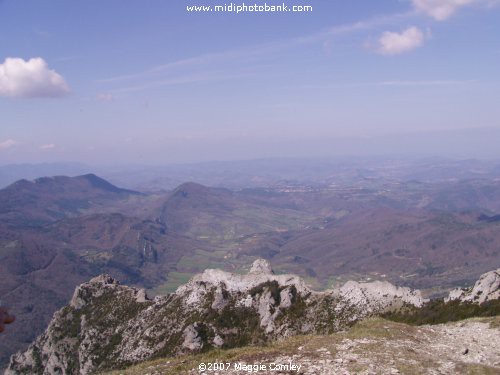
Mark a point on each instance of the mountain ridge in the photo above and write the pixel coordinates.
(108, 325)
(47, 199)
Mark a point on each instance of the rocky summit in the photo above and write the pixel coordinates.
(487, 288)
(107, 325)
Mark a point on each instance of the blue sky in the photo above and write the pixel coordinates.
(148, 82)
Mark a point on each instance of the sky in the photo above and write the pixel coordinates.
(149, 82)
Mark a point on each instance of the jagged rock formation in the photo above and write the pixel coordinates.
(107, 325)
(487, 288)
(378, 295)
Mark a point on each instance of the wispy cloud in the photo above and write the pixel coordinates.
(441, 10)
(104, 97)
(406, 83)
(201, 60)
(189, 62)
(175, 72)
(425, 83)
(7, 144)
(48, 146)
(187, 79)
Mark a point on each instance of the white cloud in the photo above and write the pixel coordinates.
(7, 144)
(440, 9)
(32, 78)
(48, 146)
(393, 43)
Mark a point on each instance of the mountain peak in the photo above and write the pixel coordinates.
(48, 199)
(50, 182)
(261, 266)
(188, 189)
(101, 183)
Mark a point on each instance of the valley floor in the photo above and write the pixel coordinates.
(375, 346)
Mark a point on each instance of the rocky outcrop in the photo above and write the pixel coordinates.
(82, 333)
(487, 288)
(379, 295)
(107, 325)
(260, 273)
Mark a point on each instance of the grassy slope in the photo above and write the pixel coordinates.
(367, 342)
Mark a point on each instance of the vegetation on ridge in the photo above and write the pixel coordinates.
(437, 311)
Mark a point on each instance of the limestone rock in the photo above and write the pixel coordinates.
(99, 283)
(141, 296)
(487, 288)
(192, 339)
(380, 295)
(107, 325)
(261, 266)
(196, 289)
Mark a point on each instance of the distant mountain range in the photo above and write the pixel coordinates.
(57, 232)
(272, 172)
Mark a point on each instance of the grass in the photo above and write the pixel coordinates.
(202, 260)
(245, 220)
(380, 328)
(377, 335)
(183, 364)
(495, 323)
(475, 369)
(174, 280)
